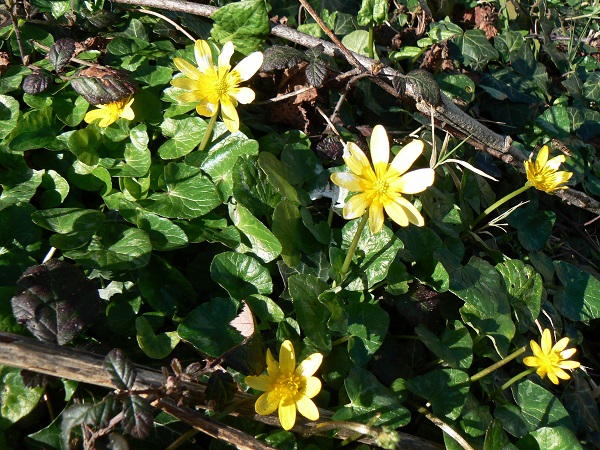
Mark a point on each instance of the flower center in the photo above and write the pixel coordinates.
(381, 186)
(554, 358)
(222, 86)
(289, 384)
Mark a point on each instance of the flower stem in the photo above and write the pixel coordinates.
(209, 129)
(353, 245)
(498, 203)
(499, 364)
(516, 378)
(370, 43)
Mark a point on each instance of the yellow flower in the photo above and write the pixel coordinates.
(110, 112)
(288, 387)
(217, 87)
(544, 174)
(381, 188)
(551, 360)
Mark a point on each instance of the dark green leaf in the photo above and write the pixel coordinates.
(245, 23)
(311, 313)
(61, 53)
(579, 298)
(138, 417)
(263, 243)
(280, 57)
(367, 327)
(316, 72)
(454, 346)
(121, 369)
(240, 275)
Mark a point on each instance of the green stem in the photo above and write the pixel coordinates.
(516, 378)
(498, 203)
(353, 245)
(499, 364)
(209, 130)
(370, 44)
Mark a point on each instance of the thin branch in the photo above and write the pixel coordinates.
(79, 365)
(447, 115)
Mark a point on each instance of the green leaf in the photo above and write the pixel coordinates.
(457, 86)
(495, 437)
(486, 304)
(70, 108)
(263, 243)
(222, 158)
(138, 416)
(245, 23)
(535, 226)
(454, 346)
(368, 398)
(475, 418)
(164, 287)
(189, 194)
(155, 346)
(37, 129)
(524, 287)
(312, 315)
(56, 189)
(240, 275)
(84, 144)
(374, 255)
(16, 400)
(445, 389)
(373, 11)
(9, 115)
(164, 234)
(207, 327)
(185, 134)
(265, 309)
(114, 247)
(579, 298)
(367, 326)
(358, 42)
(24, 188)
(476, 49)
(276, 174)
(153, 75)
(550, 438)
(69, 220)
(89, 178)
(539, 407)
(251, 187)
(295, 239)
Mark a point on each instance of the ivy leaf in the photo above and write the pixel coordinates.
(121, 369)
(56, 301)
(245, 23)
(476, 50)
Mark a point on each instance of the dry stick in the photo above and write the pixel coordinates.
(447, 115)
(79, 365)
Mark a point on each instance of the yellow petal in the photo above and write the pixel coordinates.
(310, 365)
(407, 156)
(375, 218)
(287, 357)
(415, 181)
(356, 206)
(225, 55)
(244, 95)
(561, 374)
(555, 163)
(560, 345)
(546, 341)
(230, 116)
(261, 382)
(347, 180)
(355, 159)
(566, 354)
(188, 69)
(542, 158)
(535, 348)
(127, 112)
(272, 365)
(307, 408)
(552, 377)
(287, 414)
(412, 213)
(531, 361)
(396, 213)
(206, 109)
(542, 370)
(267, 403)
(203, 55)
(248, 66)
(313, 387)
(185, 83)
(94, 114)
(570, 365)
(380, 150)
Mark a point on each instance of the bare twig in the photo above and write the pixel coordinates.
(74, 364)
(447, 115)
